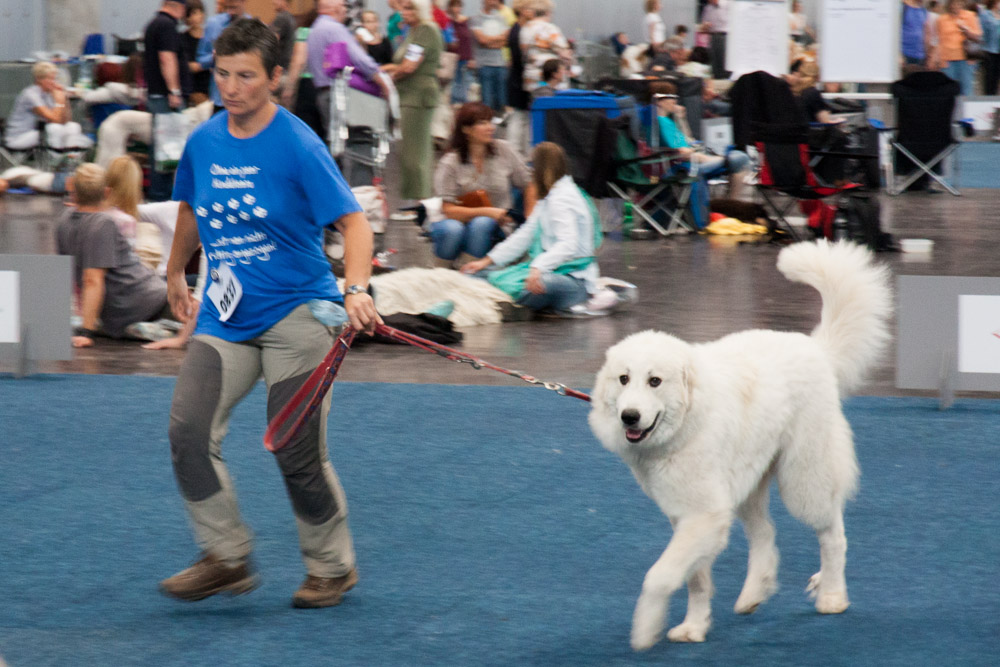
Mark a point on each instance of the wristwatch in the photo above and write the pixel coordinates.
(175, 91)
(355, 289)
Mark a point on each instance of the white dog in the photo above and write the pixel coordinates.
(705, 427)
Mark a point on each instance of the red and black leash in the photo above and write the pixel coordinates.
(318, 383)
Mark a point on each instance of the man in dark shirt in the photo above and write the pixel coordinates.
(168, 80)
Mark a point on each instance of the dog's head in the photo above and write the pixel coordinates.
(642, 393)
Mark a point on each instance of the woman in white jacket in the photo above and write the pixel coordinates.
(560, 237)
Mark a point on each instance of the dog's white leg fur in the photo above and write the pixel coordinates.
(699, 610)
(762, 562)
(828, 585)
(696, 542)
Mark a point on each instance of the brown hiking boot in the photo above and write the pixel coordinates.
(208, 577)
(323, 591)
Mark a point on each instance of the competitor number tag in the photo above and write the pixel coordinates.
(414, 52)
(225, 291)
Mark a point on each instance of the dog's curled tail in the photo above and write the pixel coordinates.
(857, 303)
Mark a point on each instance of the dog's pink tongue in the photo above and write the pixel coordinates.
(633, 433)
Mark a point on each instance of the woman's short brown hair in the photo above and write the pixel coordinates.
(550, 164)
(468, 115)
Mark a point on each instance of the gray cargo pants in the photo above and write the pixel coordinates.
(215, 376)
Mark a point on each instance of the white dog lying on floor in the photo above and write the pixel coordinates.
(705, 427)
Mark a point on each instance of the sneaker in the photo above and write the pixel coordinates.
(150, 331)
(318, 592)
(208, 577)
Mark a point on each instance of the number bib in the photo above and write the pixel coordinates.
(225, 291)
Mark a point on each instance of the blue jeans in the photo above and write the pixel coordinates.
(493, 86)
(476, 237)
(161, 183)
(460, 84)
(561, 292)
(734, 161)
(961, 71)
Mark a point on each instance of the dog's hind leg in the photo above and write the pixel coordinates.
(828, 586)
(698, 619)
(762, 562)
(696, 542)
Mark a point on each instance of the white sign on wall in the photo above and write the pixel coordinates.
(758, 37)
(10, 307)
(978, 333)
(860, 41)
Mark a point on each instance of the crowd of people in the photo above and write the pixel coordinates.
(482, 61)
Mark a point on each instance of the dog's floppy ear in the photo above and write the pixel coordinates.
(687, 377)
(601, 394)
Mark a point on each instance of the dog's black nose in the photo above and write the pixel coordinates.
(630, 417)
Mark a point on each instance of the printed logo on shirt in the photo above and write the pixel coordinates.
(242, 243)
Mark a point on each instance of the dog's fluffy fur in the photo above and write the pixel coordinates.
(705, 427)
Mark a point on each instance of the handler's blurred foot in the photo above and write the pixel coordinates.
(208, 577)
(323, 591)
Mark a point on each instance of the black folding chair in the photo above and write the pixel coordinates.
(925, 133)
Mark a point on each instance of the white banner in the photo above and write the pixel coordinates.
(978, 333)
(758, 37)
(10, 307)
(859, 41)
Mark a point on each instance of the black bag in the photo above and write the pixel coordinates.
(426, 325)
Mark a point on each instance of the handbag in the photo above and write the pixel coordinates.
(474, 199)
(511, 279)
(973, 49)
(447, 64)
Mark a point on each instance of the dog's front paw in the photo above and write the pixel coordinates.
(647, 623)
(832, 603)
(827, 602)
(688, 632)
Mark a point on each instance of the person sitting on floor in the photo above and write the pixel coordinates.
(674, 134)
(116, 292)
(476, 163)
(44, 101)
(560, 237)
(152, 226)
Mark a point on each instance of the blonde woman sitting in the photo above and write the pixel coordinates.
(44, 101)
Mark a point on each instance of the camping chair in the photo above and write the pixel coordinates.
(15, 157)
(925, 134)
(786, 168)
(655, 182)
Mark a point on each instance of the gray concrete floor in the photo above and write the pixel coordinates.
(694, 286)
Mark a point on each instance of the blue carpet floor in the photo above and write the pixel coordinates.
(977, 161)
(477, 544)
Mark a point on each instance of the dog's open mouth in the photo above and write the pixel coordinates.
(634, 435)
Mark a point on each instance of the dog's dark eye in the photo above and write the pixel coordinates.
(623, 379)
(654, 382)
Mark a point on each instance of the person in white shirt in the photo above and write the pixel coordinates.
(560, 236)
(656, 29)
(45, 101)
(541, 40)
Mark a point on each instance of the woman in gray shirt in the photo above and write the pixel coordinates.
(477, 162)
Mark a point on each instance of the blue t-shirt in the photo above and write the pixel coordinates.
(912, 30)
(261, 205)
(670, 134)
